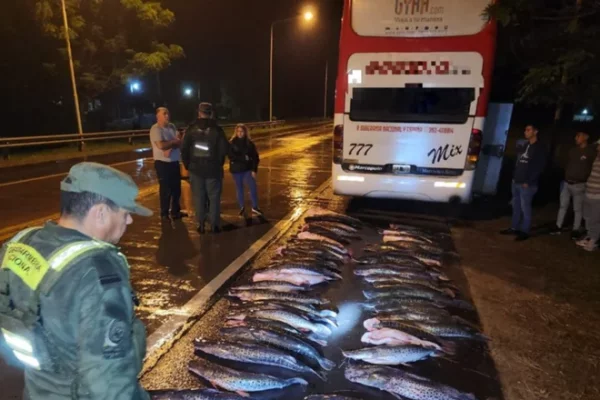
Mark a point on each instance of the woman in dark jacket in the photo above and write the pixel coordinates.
(243, 165)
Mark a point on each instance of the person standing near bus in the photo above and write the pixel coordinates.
(528, 170)
(165, 151)
(243, 165)
(579, 166)
(591, 207)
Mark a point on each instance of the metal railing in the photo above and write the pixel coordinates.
(6, 144)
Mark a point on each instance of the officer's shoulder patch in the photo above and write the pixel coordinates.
(26, 263)
(117, 339)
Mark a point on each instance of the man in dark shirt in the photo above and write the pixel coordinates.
(528, 169)
(203, 153)
(579, 166)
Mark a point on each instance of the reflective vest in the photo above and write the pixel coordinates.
(20, 322)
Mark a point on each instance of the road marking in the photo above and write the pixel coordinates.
(183, 319)
(8, 232)
(39, 178)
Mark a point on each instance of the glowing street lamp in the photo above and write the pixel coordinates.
(188, 92)
(135, 87)
(307, 16)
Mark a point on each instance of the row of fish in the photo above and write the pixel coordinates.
(412, 305)
(278, 319)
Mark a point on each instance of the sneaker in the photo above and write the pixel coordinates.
(164, 216)
(242, 212)
(590, 246)
(179, 215)
(556, 231)
(257, 211)
(583, 242)
(521, 236)
(509, 231)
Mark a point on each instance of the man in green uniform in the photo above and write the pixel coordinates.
(66, 303)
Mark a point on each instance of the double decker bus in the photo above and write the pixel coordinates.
(411, 98)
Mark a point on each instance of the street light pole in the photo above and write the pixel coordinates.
(326, 82)
(307, 16)
(72, 68)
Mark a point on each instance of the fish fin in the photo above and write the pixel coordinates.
(449, 292)
(243, 394)
(326, 364)
(293, 381)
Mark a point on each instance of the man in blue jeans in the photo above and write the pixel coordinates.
(528, 169)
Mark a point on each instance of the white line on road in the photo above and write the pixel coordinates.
(161, 339)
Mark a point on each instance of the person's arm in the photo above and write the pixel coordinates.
(185, 149)
(255, 157)
(109, 358)
(157, 140)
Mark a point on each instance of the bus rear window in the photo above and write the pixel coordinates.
(412, 105)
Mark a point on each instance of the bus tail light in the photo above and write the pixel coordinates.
(474, 149)
(338, 144)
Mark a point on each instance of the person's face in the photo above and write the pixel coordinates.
(163, 117)
(581, 139)
(530, 132)
(240, 133)
(113, 224)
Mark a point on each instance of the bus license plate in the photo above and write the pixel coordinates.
(401, 169)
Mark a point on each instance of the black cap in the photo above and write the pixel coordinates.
(206, 108)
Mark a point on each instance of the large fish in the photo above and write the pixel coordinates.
(424, 257)
(195, 394)
(325, 215)
(315, 244)
(282, 341)
(317, 230)
(331, 396)
(446, 329)
(391, 279)
(392, 258)
(294, 278)
(320, 238)
(278, 286)
(240, 382)
(338, 225)
(253, 295)
(315, 252)
(399, 292)
(276, 326)
(394, 337)
(406, 272)
(289, 318)
(417, 246)
(307, 312)
(292, 267)
(402, 383)
(390, 303)
(340, 230)
(392, 355)
(253, 353)
(373, 324)
(407, 238)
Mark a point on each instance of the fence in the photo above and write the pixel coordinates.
(6, 144)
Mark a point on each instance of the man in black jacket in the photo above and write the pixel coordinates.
(528, 170)
(203, 153)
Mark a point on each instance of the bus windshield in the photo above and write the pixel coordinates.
(412, 105)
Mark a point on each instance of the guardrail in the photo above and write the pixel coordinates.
(31, 141)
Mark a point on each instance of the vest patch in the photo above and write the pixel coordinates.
(26, 263)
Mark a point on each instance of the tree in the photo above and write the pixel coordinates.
(112, 40)
(557, 42)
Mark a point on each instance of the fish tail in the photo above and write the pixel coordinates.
(482, 337)
(328, 314)
(326, 364)
(293, 381)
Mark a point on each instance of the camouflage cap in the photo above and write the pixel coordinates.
(105, 181)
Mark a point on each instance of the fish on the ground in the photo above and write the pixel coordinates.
(279, 286)
(331, 396)
(394, 337)
(290, 318)
(401, 383)
(390, 279)
(316, 244)
(338, 225)
(400, 302)
(407, 238)
(282, 341)
(253, 295)
(424, 257)
(276, 326)
(392, 355)
(389, 258)
(321, 238)
(306, 308)
(449, 330)
(417, 246)
(374, 324)
(253, 353)
(317, 230)
(240, 382)
(296, 279)
(403, 290)
(315, 252)
(315, 215)
(194, 394)
(341, 230)
(400, 272)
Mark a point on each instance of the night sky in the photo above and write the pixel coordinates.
(228, 41)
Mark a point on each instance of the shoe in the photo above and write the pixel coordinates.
(257, 211)
(556, 231)
(521, 236)
(201, 229)
(583, 242)
(164, 216)
(577, 235)
(242, 212)
(590, 246)
(509, 231)
(216, 230)
(179, 215)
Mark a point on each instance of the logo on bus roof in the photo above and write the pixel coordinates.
(414, 68)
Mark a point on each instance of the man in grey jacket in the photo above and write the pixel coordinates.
(579, 166)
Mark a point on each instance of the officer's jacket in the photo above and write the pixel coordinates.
(83, 341)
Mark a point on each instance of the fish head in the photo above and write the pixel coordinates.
(365, 375)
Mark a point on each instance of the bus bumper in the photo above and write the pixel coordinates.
(407, 187)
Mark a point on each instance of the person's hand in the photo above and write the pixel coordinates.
(525, 186)
(254, 174)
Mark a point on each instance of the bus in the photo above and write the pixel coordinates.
(411, 98)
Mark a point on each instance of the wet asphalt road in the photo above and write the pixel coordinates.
(170, 262)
